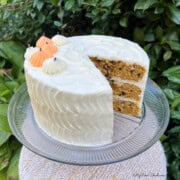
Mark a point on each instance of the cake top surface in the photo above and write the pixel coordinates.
(67, 66)
(109, 47)
(68, 71)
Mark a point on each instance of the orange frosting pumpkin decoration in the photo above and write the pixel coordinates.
(38, 58)
(47, 50)
(50, 49)
(42, 41)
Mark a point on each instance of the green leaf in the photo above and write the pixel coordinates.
(12, 85)
(149, 37)
(177, 2)
(33, 15)
(3, 174)
(57, 23)
(12, 172)
(13, 51)
(159, 32)
(174, 14)
(176, 102)
(2, 87)
(167, 55)
(163, 138)
(107, 3)
(175, 115)
(55, 2)
(60, 14)
(159, 10)
(175, 45)
(176, 147)
(21, 78)
(38, 4)
(5, 158)
(175, 130)
(3, 2)
(116, 11)
(124, 21)
(41, 18)
(175, 168)
(171, 94)
(4, 100)
(173, 74)
(69, 4)
(170, 36)
(2, 54)
(3, 137)
(4, 148)
(157, 50)
(143, 5)
(2, 63)
(5, 93)
(138, 35)
(4, 162)
(4, 126)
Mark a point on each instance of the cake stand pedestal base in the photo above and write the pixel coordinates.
(150, 165)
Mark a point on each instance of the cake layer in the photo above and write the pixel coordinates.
(126, 107)
(126, 90)
(120, 69)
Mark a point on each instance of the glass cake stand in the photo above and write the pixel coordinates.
(132, 135)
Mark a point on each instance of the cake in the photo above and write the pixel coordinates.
(75, 84)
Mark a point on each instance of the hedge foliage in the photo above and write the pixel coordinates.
(154, 24)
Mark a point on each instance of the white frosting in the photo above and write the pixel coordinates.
(30, 51)
(109, 47)
(74, 105)
(113, 48)
(79, 77)
(53, 66)
(59, 40)
(71, 99)
(85, 120)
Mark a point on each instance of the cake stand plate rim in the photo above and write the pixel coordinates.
(151, 86)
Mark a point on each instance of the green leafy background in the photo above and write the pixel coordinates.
(154, 24)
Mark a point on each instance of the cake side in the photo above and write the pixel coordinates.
(84, 120)
(71, 99)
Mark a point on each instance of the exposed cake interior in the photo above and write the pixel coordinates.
(126, 95)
